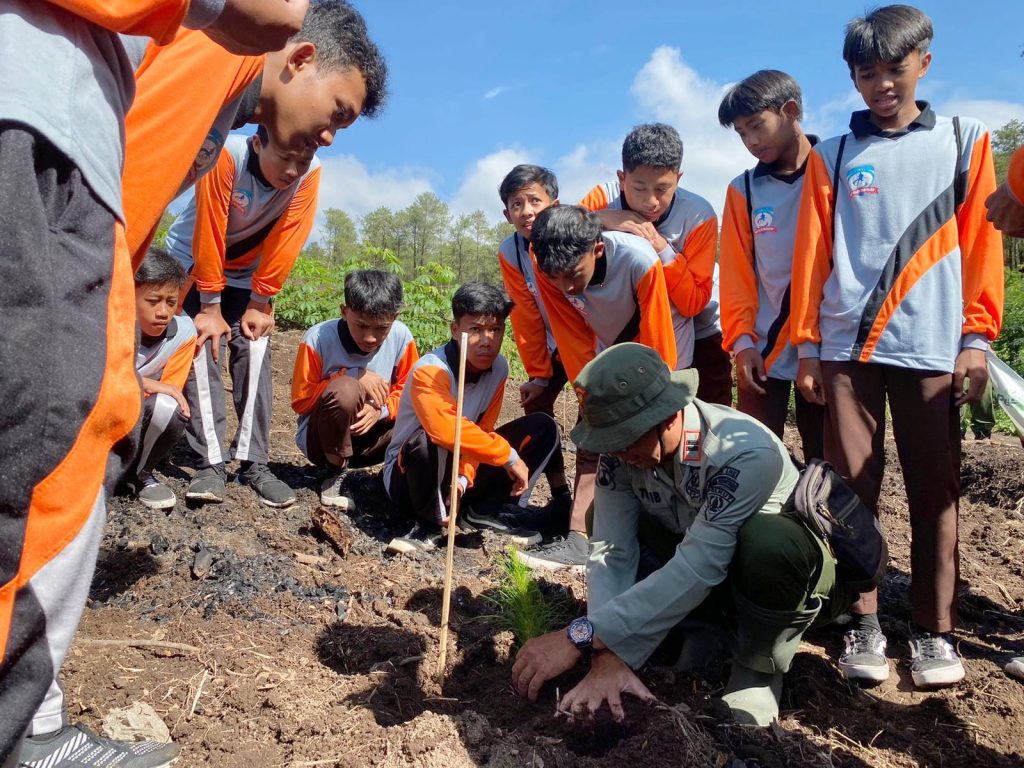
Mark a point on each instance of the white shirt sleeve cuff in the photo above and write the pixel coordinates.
(742, 344)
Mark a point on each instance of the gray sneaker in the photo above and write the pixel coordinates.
(75, 746)
(505, 523)
(153, 493)
(863, 656)
(1015, 668)
(208, 484)
(934, 662)
(272, 492)
(570, 552)
(332, 494)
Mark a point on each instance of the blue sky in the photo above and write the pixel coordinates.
(479, 87)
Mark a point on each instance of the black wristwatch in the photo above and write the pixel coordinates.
(581, 634)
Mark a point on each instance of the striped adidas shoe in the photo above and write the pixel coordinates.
(75, 746)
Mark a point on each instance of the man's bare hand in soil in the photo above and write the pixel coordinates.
(540, 660)
(608, 679)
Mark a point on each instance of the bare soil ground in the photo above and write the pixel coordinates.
(301, 657)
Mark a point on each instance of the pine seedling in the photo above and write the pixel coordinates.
(522, 606)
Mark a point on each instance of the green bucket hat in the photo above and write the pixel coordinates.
(624, 392)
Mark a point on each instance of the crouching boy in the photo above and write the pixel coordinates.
(167, 343)
(714, 483)
(497, 467)
(348, 377)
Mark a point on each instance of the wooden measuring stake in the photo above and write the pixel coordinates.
(453, 508)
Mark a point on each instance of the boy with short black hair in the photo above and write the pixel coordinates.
(497, 466)
(646, 200)
(758, 231)
(167, 343)
(238, 237)
(329, 74)
(897, 292)
(603, 287)
(348, 380)
(526, 191)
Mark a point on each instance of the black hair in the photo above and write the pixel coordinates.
(654, 145)
(561, 235)
(342, 42)
(159, 268)
(480, 299)
(765, 89)
(522, 176)
(888, 34)
(263, 135)
(373, 292)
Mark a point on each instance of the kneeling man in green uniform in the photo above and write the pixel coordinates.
(710, 489)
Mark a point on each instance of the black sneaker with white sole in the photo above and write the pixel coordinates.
(934, 662)
(570, 552)
(863, 656)
(272, 492)
(505, 523)
(154, 494)
(422, 538)
(208, 484)
(75, 746)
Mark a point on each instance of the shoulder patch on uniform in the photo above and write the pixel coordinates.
(606, 467)
(720, 491)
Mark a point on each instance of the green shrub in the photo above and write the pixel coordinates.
(1010, 344)
(314, 292)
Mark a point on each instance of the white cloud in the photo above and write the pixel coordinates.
(673, 92)
(495, 91)
(347, 184)
(994, 114)
(479, 188)
(585, 166)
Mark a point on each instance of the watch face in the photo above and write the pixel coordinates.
(581, 631)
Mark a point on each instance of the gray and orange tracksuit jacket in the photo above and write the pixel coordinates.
(325, 352)
(912, 272)
(758, 233)
(626, 301)
(690, 227)
(428, 401)
(168, 357)
(237, 230)
(163, 157)
(531, 328)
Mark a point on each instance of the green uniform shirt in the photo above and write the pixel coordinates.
(733, 468)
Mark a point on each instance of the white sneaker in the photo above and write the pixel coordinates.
(1016, 668)
(331, 494)
(934, 662)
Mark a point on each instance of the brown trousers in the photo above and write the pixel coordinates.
(330, 440)
(926, 427)
(714, 367)
(771, 409)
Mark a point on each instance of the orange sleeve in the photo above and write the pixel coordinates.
(1015, 175)
(158, 19)
(161, 137)
(405, 363)
(528, 329)
(981, 248)
(596, 199)
(690, 276)
(307, 379)
(812, 252)
(656, 330)
(573, 336)
(435, 408)
(737, 279)
(209, 239)
(176, 370)
(286, 239)
(486, 423)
